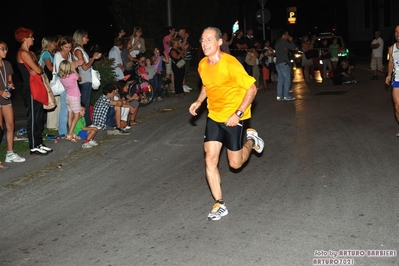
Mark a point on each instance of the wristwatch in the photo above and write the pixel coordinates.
(239, 113)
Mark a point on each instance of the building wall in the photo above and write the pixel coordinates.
(365, 16)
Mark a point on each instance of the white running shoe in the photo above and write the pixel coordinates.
(86, 145)
(258, 142)
(93, 142)
(14, 158)
(218, 211)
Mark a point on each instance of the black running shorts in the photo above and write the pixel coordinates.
(233, 137)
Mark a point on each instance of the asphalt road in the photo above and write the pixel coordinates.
(327, 181)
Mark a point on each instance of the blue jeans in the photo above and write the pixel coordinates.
(85, 91)
(110, 121)
(63, 116)
(283, 79)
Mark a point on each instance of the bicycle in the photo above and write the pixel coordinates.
(141, 86)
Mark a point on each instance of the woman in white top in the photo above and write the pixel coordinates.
(81, 38)
(138, 43)
(64, 53)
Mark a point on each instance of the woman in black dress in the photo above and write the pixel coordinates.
(176, 53)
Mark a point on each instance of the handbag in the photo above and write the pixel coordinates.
(37, 88)
(128, 64)
(50, 96)
(55, 84)
(250, 59)
(311, 53)
(180, 63)
(95, 79)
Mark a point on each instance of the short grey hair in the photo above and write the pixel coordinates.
(218, 34)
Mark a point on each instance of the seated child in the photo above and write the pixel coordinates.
(130, 103)
(101, 107)
(142, 71)
(84, 132)
(117, 115)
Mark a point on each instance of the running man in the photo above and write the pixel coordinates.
(229, 91)
(393, 72)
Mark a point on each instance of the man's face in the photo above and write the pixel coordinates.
(377, 34)
(397, 33)
(285, 36)
(182, 33)
(209, 43)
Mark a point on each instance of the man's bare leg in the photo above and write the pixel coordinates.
(238, 158)
(212, 154)
(395, 96)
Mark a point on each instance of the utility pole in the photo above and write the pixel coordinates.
(169, 11)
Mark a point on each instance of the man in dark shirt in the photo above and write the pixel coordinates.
(239, 46)
(282, 47)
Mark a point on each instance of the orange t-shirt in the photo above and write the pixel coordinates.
(226, 84)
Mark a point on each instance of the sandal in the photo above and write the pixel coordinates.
(76, 137)
(70, 138)
(134, 123)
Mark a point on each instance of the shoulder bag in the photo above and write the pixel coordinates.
(311, 53)
(37, 88)
(179, 63)
(50, 95)
(95, 79)
(95, 75)
(55, 84)
(250, 59)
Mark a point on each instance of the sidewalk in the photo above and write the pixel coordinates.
(63, 147)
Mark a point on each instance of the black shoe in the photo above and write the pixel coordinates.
(45, 148)
(122, 131)
(38, 151)
(374, 78)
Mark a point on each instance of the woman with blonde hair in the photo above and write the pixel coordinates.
(80, 39)
(49, 45)
(138, 43)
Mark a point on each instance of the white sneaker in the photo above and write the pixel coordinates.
(258, 142)
(185, 89)
(14, 158)
(217, 212)
(93, 142)
(127, 127)
(86, 145)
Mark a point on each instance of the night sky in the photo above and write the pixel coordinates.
(47, 17)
